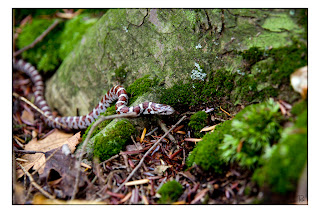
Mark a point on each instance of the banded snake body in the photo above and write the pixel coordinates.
(82, 122)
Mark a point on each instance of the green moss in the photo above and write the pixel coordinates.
(271, 71)
(141, 86)
(52, 50)
(121, 73)
(44, 54)
(254, 129)
(281, 171)
(73, 32)
(110, 111)
(206, 154)
(170, 192)
(198, 121)
(219, 84)
(105, 146)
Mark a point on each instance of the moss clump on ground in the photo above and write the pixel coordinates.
(170, 192)
(105, 146)
(141, 86)
(198, 121)
(207, 154)
(252, 133)
(110, 111)
(282, 170)
(245, 139)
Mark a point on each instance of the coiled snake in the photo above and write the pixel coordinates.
(81, 122)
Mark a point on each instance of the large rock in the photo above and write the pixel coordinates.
(165, 43)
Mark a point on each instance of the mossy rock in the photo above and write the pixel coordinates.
(105, 146)
(170, 192)
(169, 53)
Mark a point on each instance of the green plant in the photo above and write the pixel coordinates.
(170, 192)
(105, 146)
(198, 121)
(252, 133)
(281, 170)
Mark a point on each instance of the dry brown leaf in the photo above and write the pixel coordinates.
(200, 195)
(161, 169)
(206, 129)
(55, 140)
(39, 199)
(27, 117)
(192, 139)
(143, 134)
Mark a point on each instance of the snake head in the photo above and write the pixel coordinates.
(164, 109)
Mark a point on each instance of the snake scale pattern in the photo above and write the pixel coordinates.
(82, 122)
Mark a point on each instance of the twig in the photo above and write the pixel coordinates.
(165, 129)
(146, 154)
(36, 108)
(37, 40)
(110, 159)
(96, 123)
(35, 184)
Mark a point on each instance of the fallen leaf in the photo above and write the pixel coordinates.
(127, 197)
(206, 129)
(193, 139)
(137, 182)
(143, 134)
(200, 195)
(27, 117)
(39, 199)
(161, 169)
(55, 140)
(60, 173)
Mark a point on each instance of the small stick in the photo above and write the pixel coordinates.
(96, 123)
(165, 129)
(225, 112)
(35, 184)
(36, 108)
(37, 40)
(146, 154)
(110, 159)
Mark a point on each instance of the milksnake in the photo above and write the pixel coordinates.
(82, 122)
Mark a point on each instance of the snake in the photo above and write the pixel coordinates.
(117, 92)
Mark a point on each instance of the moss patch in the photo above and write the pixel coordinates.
(105, 146)
(53, 49)
(170, 192)
(141, 86)
(198, 121)
(207, 154)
